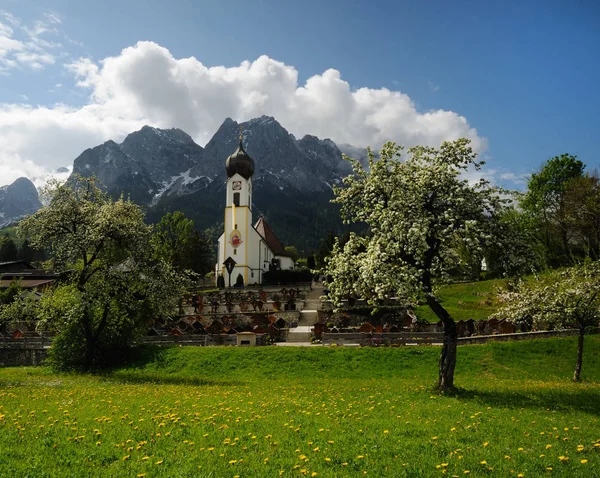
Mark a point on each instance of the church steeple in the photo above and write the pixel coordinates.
(240, 162)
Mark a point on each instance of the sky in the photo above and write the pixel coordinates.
(519, 78)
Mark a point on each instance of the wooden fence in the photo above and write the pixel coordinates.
(26, 342)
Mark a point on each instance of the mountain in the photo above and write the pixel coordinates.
(164, 171)
(17, 200)
(143, 166)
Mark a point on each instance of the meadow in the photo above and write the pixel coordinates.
(318, 411)
(466, 300)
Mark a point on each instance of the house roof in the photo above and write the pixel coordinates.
(11, 266)
(25, 283)
(270, 238)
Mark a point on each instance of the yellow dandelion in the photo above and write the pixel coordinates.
(146, 458)
(548, 447)
(232, 462)
(159, 462)
(583, 462)
(126, 457)
(563, 458)
(483, 462)
(360, 457)
(327, 459)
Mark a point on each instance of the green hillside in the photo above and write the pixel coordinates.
(467, 300)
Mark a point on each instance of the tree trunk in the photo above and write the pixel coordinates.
(577, 374)
(447, 361)
(89, 341)
(90, 353)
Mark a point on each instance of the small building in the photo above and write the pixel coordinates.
(27, 276)
(246, 339)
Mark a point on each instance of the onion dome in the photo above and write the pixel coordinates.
(240, 163)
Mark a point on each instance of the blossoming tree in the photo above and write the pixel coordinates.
(417, 210)
(111, 284)
(567, 298)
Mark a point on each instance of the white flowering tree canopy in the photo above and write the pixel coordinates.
(560, 299)
(417, 210)
(563, 298)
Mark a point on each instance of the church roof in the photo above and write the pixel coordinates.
(240, 162)
(270, 238)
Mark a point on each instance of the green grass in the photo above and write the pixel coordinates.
(464, 301)
(279, 411)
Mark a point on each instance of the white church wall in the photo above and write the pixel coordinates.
(286, 263)
(254, 258)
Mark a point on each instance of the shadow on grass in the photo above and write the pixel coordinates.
(151, 364)
(135, 378)
(583, 400)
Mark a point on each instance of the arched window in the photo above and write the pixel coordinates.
(236, 199)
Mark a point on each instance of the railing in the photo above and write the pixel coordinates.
(26, 342)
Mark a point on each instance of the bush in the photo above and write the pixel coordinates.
(286, 277)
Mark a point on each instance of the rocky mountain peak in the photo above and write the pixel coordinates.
(17, 200)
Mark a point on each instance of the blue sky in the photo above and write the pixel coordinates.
(524, 74)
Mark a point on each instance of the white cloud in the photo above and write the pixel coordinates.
(23, 46)
(145, 84)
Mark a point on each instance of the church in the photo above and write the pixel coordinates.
(246, 249)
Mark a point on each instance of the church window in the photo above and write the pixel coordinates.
(234, 252)
(236, 199)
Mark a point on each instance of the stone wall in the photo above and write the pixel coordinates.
(482, 339)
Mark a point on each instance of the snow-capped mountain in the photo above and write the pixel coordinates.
(164, 170)
(143, 166)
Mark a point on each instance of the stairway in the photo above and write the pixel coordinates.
(308, 316)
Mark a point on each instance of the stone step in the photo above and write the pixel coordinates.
(308, 318)
(301, 333)
(298, 337)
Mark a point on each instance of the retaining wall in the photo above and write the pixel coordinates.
(16, 357)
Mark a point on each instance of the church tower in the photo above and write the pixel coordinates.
(237, 243)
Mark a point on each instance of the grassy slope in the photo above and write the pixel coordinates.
(469, 300)
(329, 411)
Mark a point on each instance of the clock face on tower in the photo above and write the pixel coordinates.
(237, 185)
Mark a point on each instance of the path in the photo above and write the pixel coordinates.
(308, 317)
